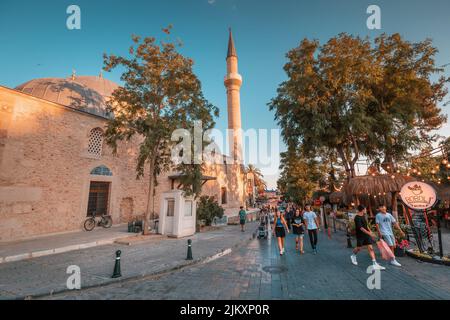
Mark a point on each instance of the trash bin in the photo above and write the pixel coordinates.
(135, 226)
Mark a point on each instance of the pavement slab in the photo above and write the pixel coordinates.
(47, 274)
(244, 275)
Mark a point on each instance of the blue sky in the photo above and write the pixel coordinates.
(35, 42)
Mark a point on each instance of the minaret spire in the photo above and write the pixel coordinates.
(231, 47)
(233, 83)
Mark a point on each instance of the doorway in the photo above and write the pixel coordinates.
(98, 198)
(170, 213)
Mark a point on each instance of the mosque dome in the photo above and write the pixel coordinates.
(84, 93)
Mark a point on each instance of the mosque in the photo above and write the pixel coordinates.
(55, 167)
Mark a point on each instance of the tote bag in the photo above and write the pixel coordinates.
(385, 251)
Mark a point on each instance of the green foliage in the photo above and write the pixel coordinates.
(160, 94)
(258, 177)
(300, 176)
(352, 98)
(208, 209)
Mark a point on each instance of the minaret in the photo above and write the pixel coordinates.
(233, 82)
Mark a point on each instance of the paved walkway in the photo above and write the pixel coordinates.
(47, 274)
(445, 233)
(256, 271)
(42, 246)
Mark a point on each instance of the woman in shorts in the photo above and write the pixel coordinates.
(297, 229)
(279, 230)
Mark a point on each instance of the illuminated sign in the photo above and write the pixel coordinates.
(418, 195)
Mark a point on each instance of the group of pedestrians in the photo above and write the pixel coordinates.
(298, 220)
(366, 238)
(301, 221)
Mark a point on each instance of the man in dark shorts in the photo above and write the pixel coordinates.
(242, 218)
(364, 238)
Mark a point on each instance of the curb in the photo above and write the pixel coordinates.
(112, 281)
(48, 252)
(428, 260)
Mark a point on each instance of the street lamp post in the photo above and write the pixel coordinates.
(441, 250)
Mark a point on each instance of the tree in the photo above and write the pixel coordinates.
(352, 98)
(404, 100)
(208, 209)
(258, 177)
(300, 176)
(160, 94)
(321, 105)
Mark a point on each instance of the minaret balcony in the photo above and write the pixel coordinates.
(233, 79)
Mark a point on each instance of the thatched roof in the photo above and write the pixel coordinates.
(337, 197)
(443, 191)
(376, 185)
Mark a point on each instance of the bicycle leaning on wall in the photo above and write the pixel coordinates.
(91, 222)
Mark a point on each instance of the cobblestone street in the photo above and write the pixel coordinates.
(256, 271)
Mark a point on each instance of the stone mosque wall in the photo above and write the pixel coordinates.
(46, 160)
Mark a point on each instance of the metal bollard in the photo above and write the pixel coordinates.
(189, 250)
(117, 273)
(334, 224)
(349, 240)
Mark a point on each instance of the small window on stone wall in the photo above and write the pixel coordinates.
(224, 195)
(101, 171)
(95, 142)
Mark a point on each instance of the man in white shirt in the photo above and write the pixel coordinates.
(312, 223)
(384, 221)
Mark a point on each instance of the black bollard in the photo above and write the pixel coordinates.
(441, 250)
(349, 240)
(189, 250)
(117, 273)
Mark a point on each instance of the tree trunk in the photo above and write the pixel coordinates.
(151, 187)
(345, 162)
(394, 205)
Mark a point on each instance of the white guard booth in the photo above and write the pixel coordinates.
(177, 217)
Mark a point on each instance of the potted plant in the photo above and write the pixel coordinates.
(351, 228)
(207, 210)
(401, 247)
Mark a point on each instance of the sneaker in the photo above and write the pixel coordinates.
(395, 263)
(353, 257)
(376, 266)
(315, 251)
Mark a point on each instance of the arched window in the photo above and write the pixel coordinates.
(95, 142)
(101, 171)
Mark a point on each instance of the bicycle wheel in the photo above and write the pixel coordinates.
(106, 222)
(89, 224)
